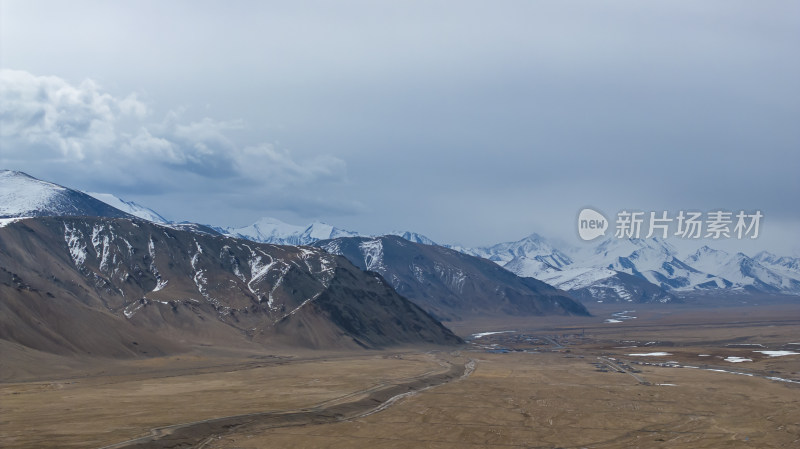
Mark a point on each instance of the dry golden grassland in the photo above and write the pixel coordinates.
(565, 390)
(547, 400)
(101, 410)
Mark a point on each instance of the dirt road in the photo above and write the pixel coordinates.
(369, 401)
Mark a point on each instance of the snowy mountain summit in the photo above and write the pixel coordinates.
(272, 230)
(130, 207)
(762, 273)
(22, 195)
(643, 270)
(413, 237)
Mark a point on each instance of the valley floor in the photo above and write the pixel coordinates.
(549, 383)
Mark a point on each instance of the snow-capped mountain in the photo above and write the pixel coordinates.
(533, 268)
(267, 230)
(22, 195)
(597, 274)
(653, 260)
(532, 247)
(413, 237)
(604, 285)
(272, 230)
(744, 272)
(130, 207)
(536, 257)
(642, 269)
(789, 266)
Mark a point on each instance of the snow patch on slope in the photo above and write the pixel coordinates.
(130, 207)
(7, 221)
(372, 250)
(77, 249)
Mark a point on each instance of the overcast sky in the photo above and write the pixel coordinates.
(472, 122)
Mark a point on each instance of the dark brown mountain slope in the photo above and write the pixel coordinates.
(449, 284)
(120, 288)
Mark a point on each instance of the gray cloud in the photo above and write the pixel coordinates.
(91, 136)
(474, 123)
(63, 121)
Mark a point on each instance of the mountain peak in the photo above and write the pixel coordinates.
(22, 195)
(279, 227)
(275, 231)
(270, 220)
(13, 173)
(130, 207)
(413, 237)
(766, 256)
(319, 230)
(535, 238)
(707, 250)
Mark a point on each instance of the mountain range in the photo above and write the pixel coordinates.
(272, 230)
(644, 270)
(449, 284)
(80, 276)
(117, 287)
(614, 270)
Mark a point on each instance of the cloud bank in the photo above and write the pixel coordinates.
(471, 124)
(91, 136)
